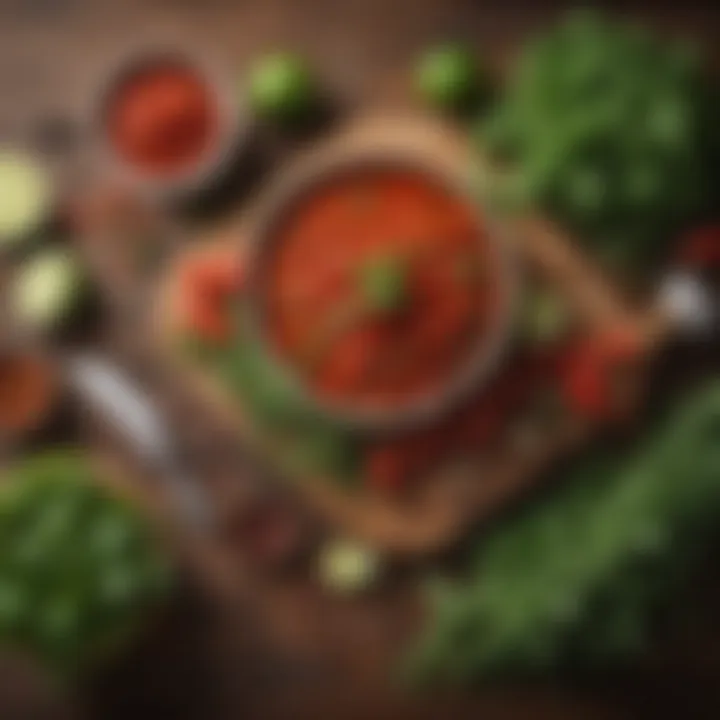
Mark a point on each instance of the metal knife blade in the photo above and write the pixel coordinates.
(133, 414)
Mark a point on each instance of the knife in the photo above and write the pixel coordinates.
(134, 416)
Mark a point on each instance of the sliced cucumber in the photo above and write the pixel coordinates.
(47, 288)
(347, 567)
(25, 197)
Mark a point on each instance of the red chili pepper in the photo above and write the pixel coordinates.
(584, 383)
(590, 369)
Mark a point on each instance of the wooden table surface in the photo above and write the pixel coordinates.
(279, 647)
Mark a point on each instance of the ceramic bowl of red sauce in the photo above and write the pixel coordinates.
(381, 288)
(167, 123)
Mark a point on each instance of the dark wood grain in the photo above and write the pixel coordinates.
(297, 652)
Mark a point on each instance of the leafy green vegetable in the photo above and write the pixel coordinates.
(612, 131)
(79, 568)
(580, 577)
(308, 441)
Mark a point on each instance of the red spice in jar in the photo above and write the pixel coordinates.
(162, 119)
(27, 393)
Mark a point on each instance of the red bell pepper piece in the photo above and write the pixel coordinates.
(207, 284)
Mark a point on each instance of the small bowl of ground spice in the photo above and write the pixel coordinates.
(168, 123)
(29, 392)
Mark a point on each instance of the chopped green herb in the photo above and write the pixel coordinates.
(273, 402)
(73, 563)
(609, 129)
(578, 577)
(383, 284)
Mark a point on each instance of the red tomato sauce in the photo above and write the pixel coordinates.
(162, 118)
(319, 313)
(27, 392)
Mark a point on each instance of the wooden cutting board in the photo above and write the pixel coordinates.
(456, 496)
